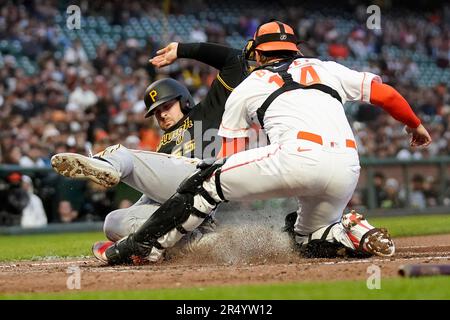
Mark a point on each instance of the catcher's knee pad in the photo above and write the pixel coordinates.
(180, 214)
(194, 183)
(205, 169)
(166, 226)
(176, 215)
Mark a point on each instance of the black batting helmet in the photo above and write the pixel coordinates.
(164, 90)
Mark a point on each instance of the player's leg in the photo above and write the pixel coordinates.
(351, 236)
(272, 171)
(268, 172)
(321, 230)
(263, 173)
(121, 222)
(154, 174)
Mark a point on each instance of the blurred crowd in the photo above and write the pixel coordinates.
(389, 193)
(76, 104)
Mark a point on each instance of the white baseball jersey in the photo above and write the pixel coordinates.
(298, 110)
(322, 176)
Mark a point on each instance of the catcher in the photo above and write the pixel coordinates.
(312, 155)
(157, 174)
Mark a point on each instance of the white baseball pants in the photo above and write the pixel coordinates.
(322, 178)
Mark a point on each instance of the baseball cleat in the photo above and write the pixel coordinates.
(81, 167)
(99, 250)
(367, 238)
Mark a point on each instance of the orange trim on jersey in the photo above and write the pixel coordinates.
(248, 162)
(392, 102)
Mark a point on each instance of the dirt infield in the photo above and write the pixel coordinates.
(205, 268)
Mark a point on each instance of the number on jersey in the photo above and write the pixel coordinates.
(308, 76)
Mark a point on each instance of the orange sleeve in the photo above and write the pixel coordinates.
(232, 146)
(391, 101)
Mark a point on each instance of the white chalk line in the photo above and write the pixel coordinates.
(112, 269)
(138, 269)
(71, 262)
(43, 264)
(424, 247)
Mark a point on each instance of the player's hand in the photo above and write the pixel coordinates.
(165, 56)
(420, 136)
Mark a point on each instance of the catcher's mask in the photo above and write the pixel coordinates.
(164, 90)
(270, 36)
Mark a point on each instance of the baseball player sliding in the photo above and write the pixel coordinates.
(157, 174)
(312, 154)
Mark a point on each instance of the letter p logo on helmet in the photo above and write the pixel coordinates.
(153, 95)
